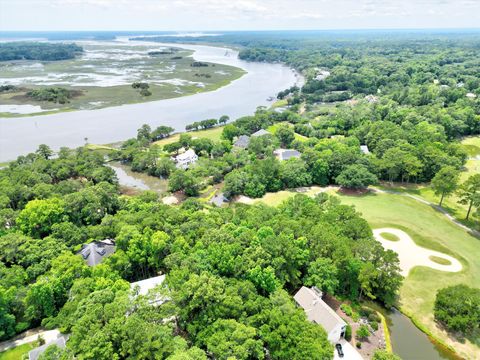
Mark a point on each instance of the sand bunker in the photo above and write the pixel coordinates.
(411, 255)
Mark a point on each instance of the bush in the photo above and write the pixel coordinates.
(384, 355)
(373, 318)
(363, 332)
(457, 307)
(347, 309)
(348, 333)
(359, 345)
(374, 325)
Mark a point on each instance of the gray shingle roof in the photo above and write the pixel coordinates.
(94, 252)
(316, 309)
(261, 132)
(35, 353)
(285, 154)
(242, 141)
(144, 286)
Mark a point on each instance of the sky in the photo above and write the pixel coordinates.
(190, 15)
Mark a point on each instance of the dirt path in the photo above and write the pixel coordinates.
(28, 337)
(411, 255)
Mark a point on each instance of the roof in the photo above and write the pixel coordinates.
(310, 299)
(261, 132)
(94, 252)
(364, 149)
(187, 155)
(144, 286)
(242, 141)
(35, 353)
(285, 154)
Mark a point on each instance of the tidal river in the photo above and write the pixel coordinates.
(22, 135)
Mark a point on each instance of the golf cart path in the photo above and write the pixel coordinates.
(411, 255)
(435, 206)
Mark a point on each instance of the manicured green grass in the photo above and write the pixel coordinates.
(440, 260)
(472, 145)
(212, 134)
(279, 103)
(273, 129)
(389, 236)
(276, 198)
(433, 230)
(16, 353)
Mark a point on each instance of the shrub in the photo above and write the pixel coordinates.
(457, 307)
(359, 344)
(346, 309)
(363, 332)
(373, 317)
(348, 333)
(374, 325)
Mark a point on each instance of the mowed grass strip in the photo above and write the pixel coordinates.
(432, 230)
(16, 353)
(214, 134)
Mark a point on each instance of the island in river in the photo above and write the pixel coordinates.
(241, 97)
(103, 73)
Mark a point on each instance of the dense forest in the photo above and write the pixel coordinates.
(229, 270)
(38, 51)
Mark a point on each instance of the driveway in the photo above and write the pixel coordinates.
(350, 353)
(28, 337)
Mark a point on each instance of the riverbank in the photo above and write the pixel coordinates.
(102, 77)
(103, 126)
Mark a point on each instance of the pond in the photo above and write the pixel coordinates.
(135, 180)
(412, 344)
(241, 97)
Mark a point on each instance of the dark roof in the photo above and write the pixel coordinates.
(218, 199)
(285, 154)
(94, 252)
(35, 353)
(242, 141)
(261, 132)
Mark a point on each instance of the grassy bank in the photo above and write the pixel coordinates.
(17, 353)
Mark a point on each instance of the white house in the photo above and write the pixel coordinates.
(364, 149)
(185, 159)
(310, 299)
(143, 287)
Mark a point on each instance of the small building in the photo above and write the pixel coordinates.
(285, 154)
(471, 95)
(94, 252)
(371, 99)
(143, 287)
(364, 149)
(35, 353)
(185, 159)
(317, 311)
(242, 142)
(261, 132)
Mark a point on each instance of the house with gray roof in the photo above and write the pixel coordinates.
(317, 311)
(261, 132)
(285, 154)
(242, 142)
(94, 252)
(35, 353)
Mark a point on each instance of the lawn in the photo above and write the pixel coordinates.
(273, 129)
(432, 230)
(17, 352)
(276, 198)
(212, 134)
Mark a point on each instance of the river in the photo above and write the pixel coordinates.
(241, 97)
